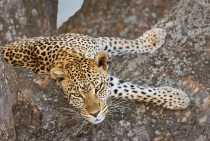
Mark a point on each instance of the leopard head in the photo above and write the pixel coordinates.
(86, 85)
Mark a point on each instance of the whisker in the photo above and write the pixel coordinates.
(118, 107)
(118, 102)
(68, 109)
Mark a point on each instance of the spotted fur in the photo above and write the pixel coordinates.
(148, 42)
(78, 63)
(166, 97)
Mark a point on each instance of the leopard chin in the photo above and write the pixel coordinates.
(96, 120)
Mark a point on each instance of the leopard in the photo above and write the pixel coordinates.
(79, 65)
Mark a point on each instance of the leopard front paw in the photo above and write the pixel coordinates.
(154, 38)
(175, 98)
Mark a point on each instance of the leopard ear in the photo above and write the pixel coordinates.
(100, 61)
(58, 74)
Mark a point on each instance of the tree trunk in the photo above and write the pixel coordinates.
(121, 18)
(183, 62)
(20, 19)
(8, 89)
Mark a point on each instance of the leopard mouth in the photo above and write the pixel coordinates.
(97, 120)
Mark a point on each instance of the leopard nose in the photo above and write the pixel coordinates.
(95, 114)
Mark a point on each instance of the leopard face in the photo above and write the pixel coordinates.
(86, 86)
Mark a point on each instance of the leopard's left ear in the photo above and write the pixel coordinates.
(58, 74)
(100, 62)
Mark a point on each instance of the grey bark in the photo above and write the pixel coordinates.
(182, 62)
(121, 18)
(21, 19)
(8, 91)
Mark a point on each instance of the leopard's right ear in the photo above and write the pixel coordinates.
(100, 62)
(58, 74)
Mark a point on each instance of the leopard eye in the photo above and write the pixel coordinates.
(78, 95)
(98, 88)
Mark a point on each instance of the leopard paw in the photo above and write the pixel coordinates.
(177, 99)
(155, 38)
